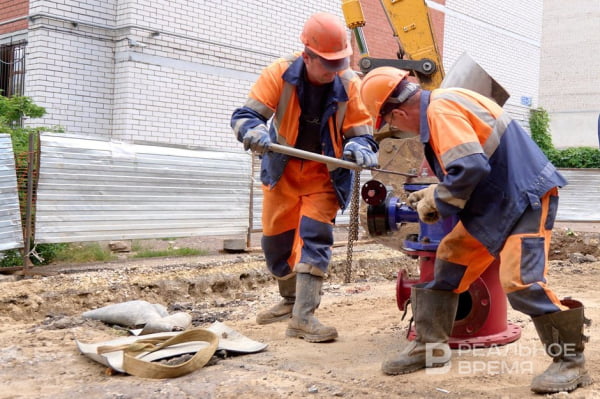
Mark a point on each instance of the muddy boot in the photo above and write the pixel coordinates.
(562, 335)
(303, 323)
(433, 313)
(283, 310)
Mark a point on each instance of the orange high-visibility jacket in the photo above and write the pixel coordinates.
(490, 170)
(277, 94)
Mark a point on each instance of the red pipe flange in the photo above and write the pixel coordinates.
(481, 319)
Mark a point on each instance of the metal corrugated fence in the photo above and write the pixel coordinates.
(11, 231)
(580, 199)
(94, 190)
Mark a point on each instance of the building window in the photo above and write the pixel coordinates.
(12, 69)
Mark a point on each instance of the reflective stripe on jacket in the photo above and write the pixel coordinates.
(278, 94)
(490, 170)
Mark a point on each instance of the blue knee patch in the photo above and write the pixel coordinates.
(278, 249)
(447, 275)
(318, 239)
(533, 260)
(552, 210)
(532, 301)
(529, 222)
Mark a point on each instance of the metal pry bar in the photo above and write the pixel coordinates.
(340, 163)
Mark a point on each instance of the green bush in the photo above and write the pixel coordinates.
(46, 252)
(574, 157)
(539, 124)
(12, 111)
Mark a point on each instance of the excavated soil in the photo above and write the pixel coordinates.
(40, 319)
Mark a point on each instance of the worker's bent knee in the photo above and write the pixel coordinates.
(533, 301)
(281, 271)
(310, 269)
(286, 277)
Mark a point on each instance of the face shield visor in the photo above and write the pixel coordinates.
(400, 94)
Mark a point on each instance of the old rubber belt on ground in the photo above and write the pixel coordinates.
(135, 365)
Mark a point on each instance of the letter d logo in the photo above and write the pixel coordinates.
(437, 358)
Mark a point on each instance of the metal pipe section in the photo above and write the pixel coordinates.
(361, 42)
(311, 156)
(339, 163)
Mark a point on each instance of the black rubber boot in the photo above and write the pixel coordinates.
(433, 313)
(283, 310)
(303, 323)
(562, 335)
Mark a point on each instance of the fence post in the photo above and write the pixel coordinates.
(251, 207)
(27, 231)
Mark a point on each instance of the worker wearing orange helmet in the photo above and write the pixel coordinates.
(504, 191)
(312, 100)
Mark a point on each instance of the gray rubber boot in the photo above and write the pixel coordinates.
(283, 310)
(562, 335)
(433, 313)
(303, 323)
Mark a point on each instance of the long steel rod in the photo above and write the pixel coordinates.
(340, 163)
(311, 156)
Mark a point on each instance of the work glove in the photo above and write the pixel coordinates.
(361, 155)
(423, 201)
(257, 139)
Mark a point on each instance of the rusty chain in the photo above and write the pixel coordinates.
(353, 230)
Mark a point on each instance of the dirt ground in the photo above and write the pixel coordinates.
(40, 319)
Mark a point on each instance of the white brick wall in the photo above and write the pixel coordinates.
(504, 38)
(183, 84)
(180, 88)
(191, 77)
(91, 11)
(519, 17)
(71, 76)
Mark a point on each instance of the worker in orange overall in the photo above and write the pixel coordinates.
(313, 104)
(505, 193)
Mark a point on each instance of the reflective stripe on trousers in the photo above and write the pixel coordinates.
(461, 259)
(297, 218)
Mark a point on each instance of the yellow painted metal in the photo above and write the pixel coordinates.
(412, 26)
(353, 13)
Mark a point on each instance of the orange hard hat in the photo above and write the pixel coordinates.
(325, 35)
(378, 85)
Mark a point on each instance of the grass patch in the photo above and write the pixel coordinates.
(82, 253)
(137, 246)
(94, 252)
(151, 253)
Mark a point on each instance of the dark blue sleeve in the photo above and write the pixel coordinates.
(245, 118)
(461, 178)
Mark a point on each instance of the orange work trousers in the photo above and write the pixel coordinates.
(461, 259)
(297, 218)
